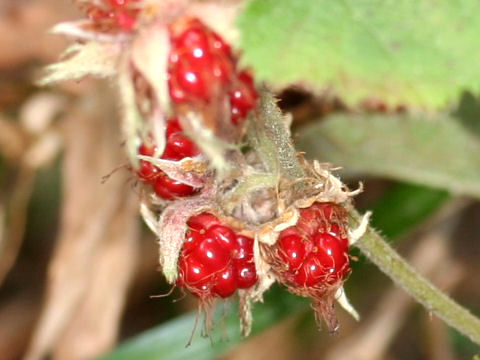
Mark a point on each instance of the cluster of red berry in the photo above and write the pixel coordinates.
(215, 261)
(309, 257)
(207, 255)
(201, 71)
(314, 253)
(113, 14)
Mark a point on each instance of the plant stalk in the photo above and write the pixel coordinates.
(377, 250)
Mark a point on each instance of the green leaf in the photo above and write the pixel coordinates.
(404, 52)
(438, 152)
(418, 203)
(168, 341)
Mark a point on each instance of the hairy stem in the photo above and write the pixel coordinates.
(391, 263)
(270, 137)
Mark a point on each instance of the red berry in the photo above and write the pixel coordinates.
(221, 45)
(332, 253)
(173, 126)
(193, 273)
(177, 147)
(246, 273)
(243, 97)
(292, 251)
(118, 3)
(196, 274)
(245, 248)
(202, 222)
(170, 189)
(310, 273)
(215, 261)
(224, 236)
(313, 253)
(147, 172)
(211, 254)
(193, 238)
(200, 64)
(226, 283)
(187, 83)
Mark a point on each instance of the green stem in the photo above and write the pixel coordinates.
(270, 137)
(377, 250)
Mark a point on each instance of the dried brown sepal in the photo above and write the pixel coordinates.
(79, 60)
(86, 30)
(150, 50)
(190, 171)
(206, 308)
(268, 233)
(132, 119)
(213, 147)
(245, 312)
(265, 276)
(320, 185)
(172, 227)
(324, 308)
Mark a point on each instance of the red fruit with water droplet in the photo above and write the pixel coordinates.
(201, 66)
(215, 261)
(203, 70)
(177, 147)
(314, 252)
(311, 258)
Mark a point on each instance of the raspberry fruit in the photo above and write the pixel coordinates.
(311, 258)
(177, 147)
(314, 253)
(200, 63)
(202, 69)
(215, 261)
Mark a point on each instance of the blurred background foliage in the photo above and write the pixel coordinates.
(386, 90)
